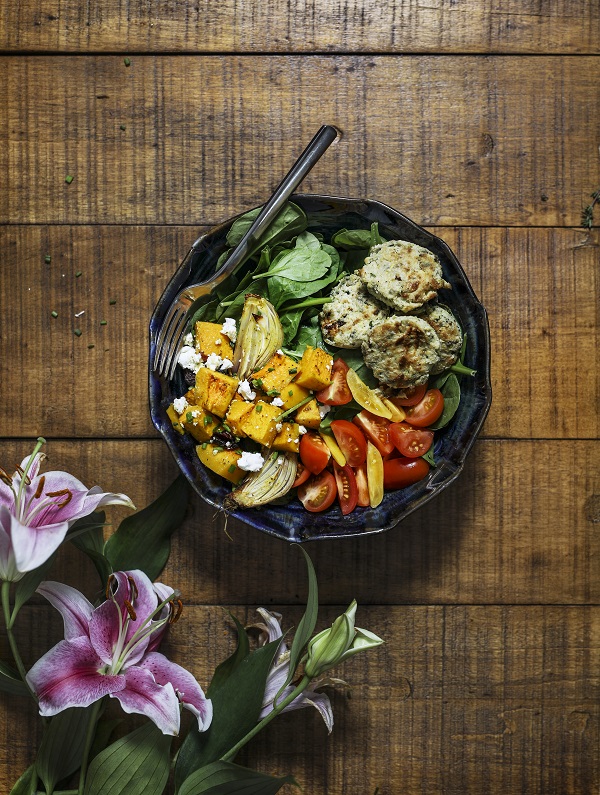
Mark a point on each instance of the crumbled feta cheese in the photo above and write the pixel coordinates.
(301, 430)
(280, 352)
(180, 405)
(278, 426)
(188, 339)
(219, 341)
(226, 365)
(189, 359)
(214, 361)
(229, 329)
(245, 390)
(277, 402)
(324, 410)
(250, 462)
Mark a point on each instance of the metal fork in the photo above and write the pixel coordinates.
(173, 327)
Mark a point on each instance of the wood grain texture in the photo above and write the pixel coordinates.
(539, 286)
(447, 140)
(562, 26)
(520, 525)
(473, 699)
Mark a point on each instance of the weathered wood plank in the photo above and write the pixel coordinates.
(446, 140)
(563, 26)
(468, 699)
(539, 286)
(518, 526)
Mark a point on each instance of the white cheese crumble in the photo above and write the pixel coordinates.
(301, 430)
(245, 390)
(278, 426)
(188, 339)
(219, 341)
(229, 329)
(226, 365)
(250, 462)
(214, 361)
(324, 410)
(279, 351)
(277, 402)
(180, 405)
(189, 359)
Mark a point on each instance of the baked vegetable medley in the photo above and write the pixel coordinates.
(320, 370)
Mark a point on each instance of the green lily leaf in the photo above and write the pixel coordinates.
(26, 784)
(225, 669)
(137, 764)
(26, 587)
(237, 703)
(307, 624)
(104, 729)
(223, 778)
(143, 539)
(92, 542)
(62, 745)
(11, 682)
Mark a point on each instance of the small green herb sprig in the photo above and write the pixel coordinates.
(587, 214)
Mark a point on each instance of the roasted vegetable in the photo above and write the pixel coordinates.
(273, 481)
(260, 334)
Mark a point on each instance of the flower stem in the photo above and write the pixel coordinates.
(302, 685)
(11, 638)
(91, 732)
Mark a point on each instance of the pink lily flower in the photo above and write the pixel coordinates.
(36, 511)
(110, 650)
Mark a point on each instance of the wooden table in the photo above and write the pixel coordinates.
(476, 119)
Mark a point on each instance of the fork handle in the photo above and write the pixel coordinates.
(313, 152)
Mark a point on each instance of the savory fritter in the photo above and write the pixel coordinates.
(347, 321)
(401, 351)
(449, 332)
(402, 275)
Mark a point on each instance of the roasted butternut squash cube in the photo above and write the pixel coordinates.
(238, 410)
(190, 396)
(215, 391)
(260, 423)
(275, 375)
(293, 394)
(309, 415)
(200, 423)
(209, 339)
(288, 438)
(174, 417)
(315, 369)
(223, 462)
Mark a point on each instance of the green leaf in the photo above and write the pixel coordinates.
(104, 730)
(92, 542)
(428, 456)
(27, 585)
(137, 764)
(26, 784)
(62, 746)
(226, 668)
(224, 778)
(143, 539)
(237, 703)
(352, 239)
(309, 334)
(308, 240)
(451, 392)
(11, 682)
(307, 624)
(298, 265)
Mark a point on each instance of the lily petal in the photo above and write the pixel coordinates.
(81, 502)
(186, 687)
(320, 701)
(75, 609)
(272, 625)
(143, 695)
(67, 676)
(34, 545)
(8, 569)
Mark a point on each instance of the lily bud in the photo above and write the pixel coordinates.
(342, 640)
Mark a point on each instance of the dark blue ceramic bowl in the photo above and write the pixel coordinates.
(291, 522)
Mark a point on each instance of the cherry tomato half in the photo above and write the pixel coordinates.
(427, 411)
(351, 440)
(346, 487)
(413, 396)
(401, 472)
(302, 475)
(318, 493)
(411, 442)
(314, 453)
(362, 484)
(376, 429)
(338, 392)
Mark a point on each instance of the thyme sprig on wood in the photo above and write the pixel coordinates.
(587, 214)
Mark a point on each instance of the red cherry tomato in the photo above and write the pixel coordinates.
(346, 487)
(376, 429)
(351, 440)
(302, 475)
(314, 453)
(427, 411)
(338, 392)
(401, 472)
(360, 473)
(411, 442)
(413, 396)
(318, 493)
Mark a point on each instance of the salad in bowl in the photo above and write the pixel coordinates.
(335, 381)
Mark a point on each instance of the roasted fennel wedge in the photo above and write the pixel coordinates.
(271, 482)
(260, 334)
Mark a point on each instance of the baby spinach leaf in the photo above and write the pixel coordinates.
(308, 240)
(309, 334)
(451, 392)
(352, 239)
(354, 359)
(291, 221)
(299, 265)
(428, 456)
(290, 322)
(376, 238)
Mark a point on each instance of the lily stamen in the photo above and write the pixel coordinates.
(175, 614)
(5, 477)
(130, 610)
(24, 476)
(40, 488)
(109, 582)
(133, 586)
(66, 492)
